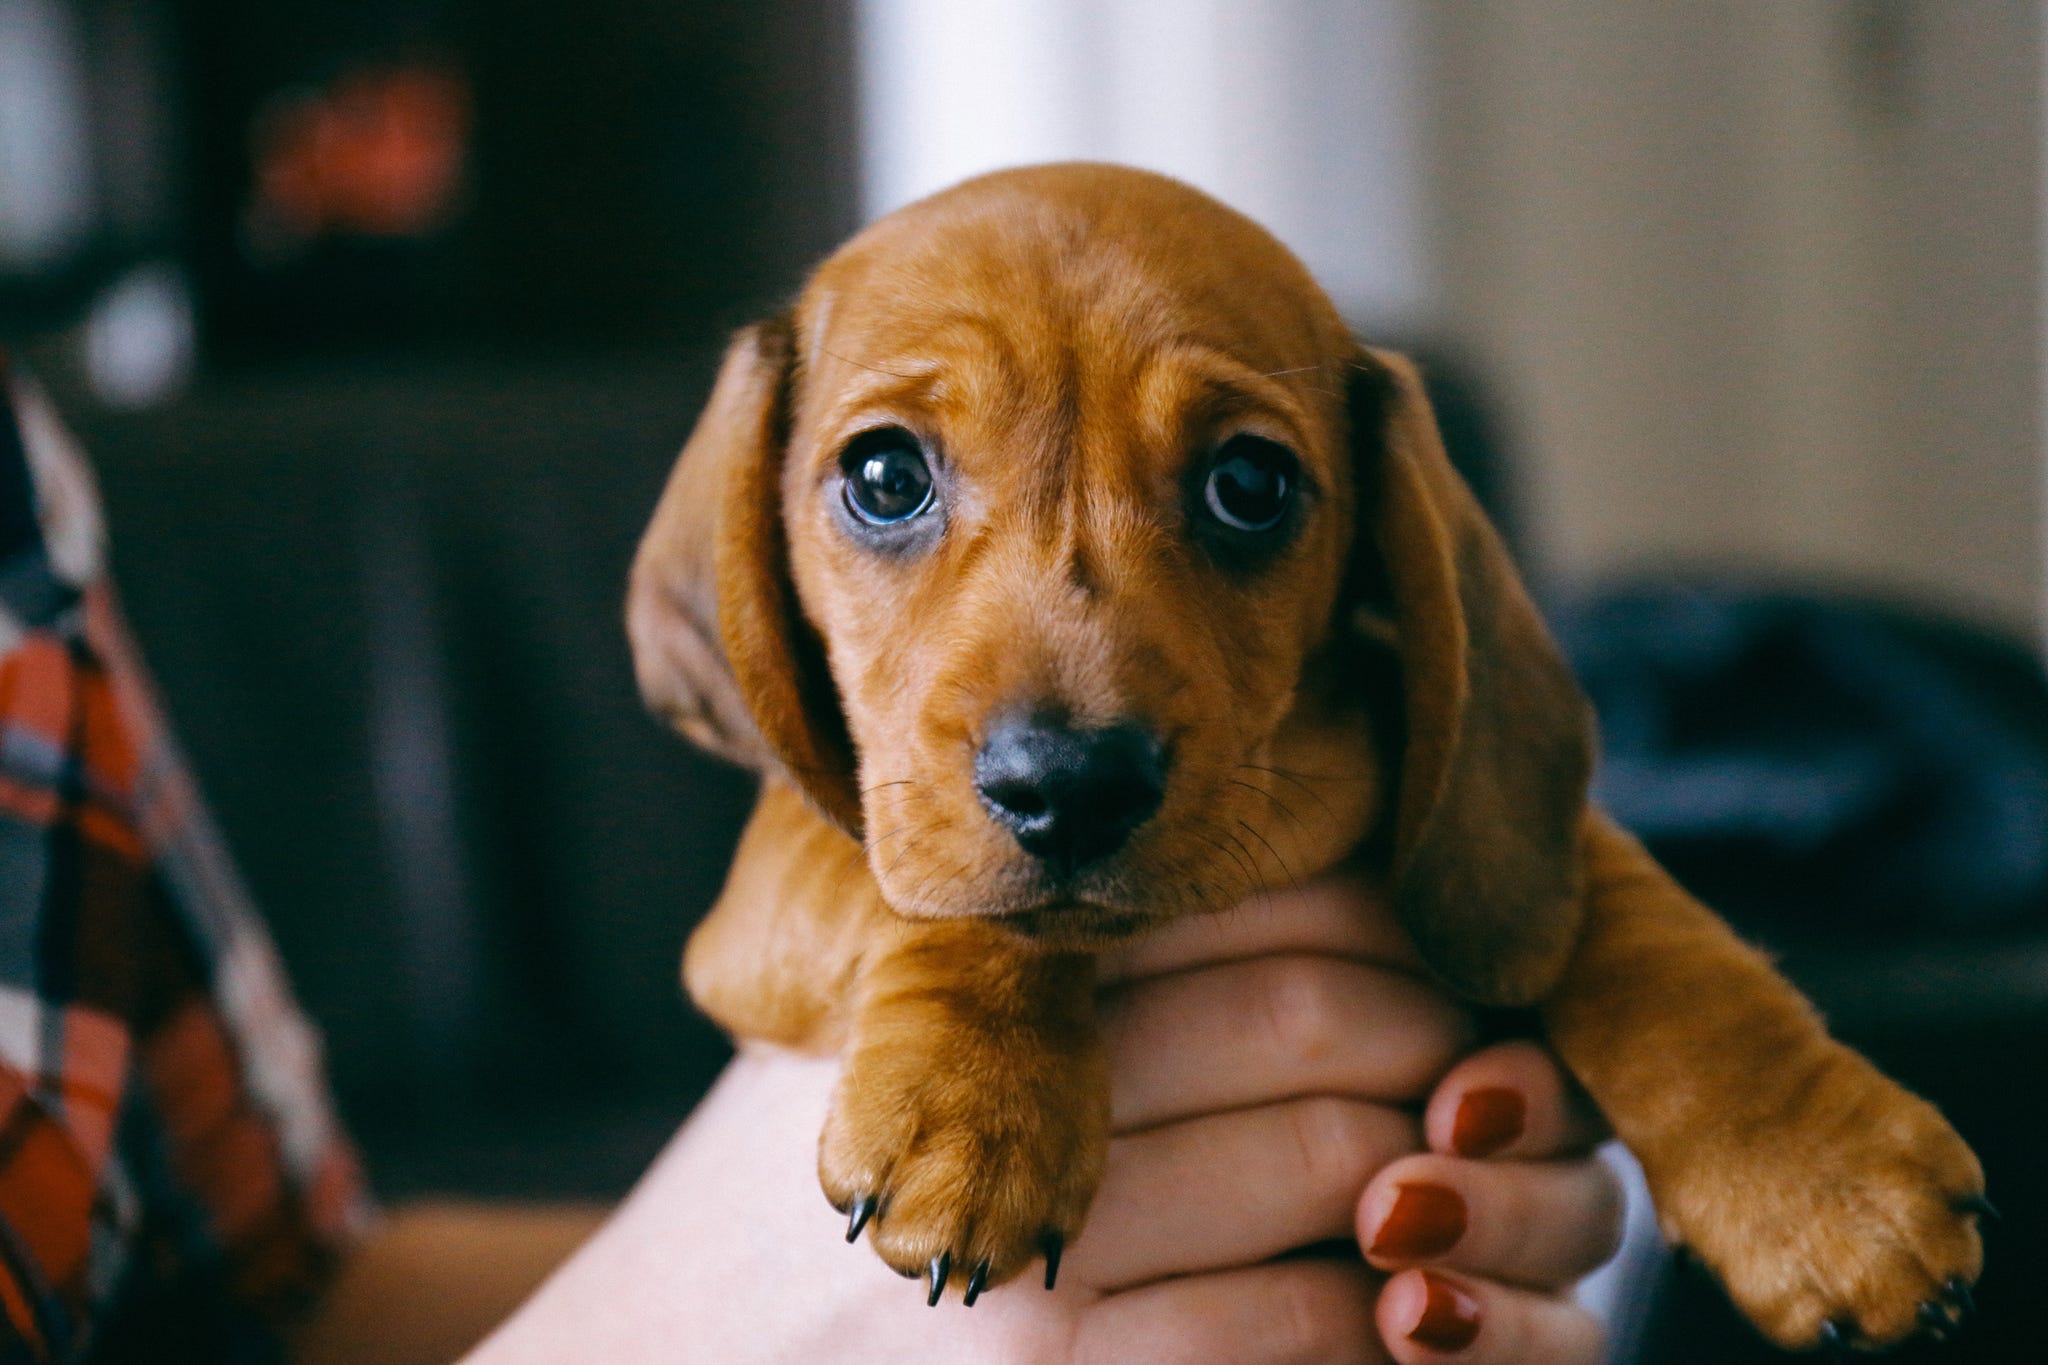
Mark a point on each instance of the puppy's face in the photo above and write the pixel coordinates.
(1030, 549)
(1071, 518)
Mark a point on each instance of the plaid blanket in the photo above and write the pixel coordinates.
(168, 1155)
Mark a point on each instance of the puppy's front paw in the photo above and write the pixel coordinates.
(967, 1157)
(1845, 1216)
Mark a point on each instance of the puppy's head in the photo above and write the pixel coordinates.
(1063, 546)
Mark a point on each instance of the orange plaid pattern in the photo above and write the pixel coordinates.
(167, 1150)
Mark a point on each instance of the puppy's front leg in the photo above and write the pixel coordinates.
(777, 957)
(972, 1112)
(1833, 1204)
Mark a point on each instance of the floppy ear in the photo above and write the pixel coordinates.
(720, 647)
(1498, 744)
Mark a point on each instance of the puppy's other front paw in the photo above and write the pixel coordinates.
(966, 1163)
(1844, 1216)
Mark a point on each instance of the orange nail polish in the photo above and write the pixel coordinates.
(1450, 1316)
(1487, 1121)
(1425, 1222)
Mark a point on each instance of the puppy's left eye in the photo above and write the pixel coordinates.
(886, 477)
(1251, 483)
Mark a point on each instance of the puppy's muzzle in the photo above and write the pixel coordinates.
(1070, 797)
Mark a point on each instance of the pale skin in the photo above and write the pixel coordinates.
(1267, 1067)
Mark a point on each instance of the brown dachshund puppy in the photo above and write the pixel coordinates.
(1064, 566)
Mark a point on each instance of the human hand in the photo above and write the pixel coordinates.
(1265, 1064)
(1275, 1043)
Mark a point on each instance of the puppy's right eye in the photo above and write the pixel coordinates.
(885, 477)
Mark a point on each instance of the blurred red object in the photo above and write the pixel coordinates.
(378, 153)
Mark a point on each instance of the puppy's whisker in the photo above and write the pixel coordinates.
(1294, 775)
(1240, 854)
(1218, 847)
(1254, 886)
(931, 882)
(853, 865)
(1200, 891)
(1285, 776)
(873, 847)
(1292, 880)
(1285, 809)
(905, 852)
(899, 782)
(1259, 887)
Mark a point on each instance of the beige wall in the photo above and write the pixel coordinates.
(1759, 279)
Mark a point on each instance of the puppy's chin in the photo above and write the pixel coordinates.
(1075, 926)
(1056, 918)
(1093, 910)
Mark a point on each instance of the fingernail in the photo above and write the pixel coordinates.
(1487, 1121)
(1425, 1222)
(1450, 1316)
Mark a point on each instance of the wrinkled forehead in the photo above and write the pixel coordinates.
(1018, 304)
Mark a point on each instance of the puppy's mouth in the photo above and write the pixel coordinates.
(1073, 924)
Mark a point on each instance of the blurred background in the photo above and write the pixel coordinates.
(382, 320)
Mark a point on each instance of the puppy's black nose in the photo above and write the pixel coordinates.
(1070, 796)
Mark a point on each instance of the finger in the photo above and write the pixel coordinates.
(1512, 1100)
(1336, 914)
(1543, 1225)
(1297, 1311)
(1427, 1317)
(1234, 1189)
(1274, 1028)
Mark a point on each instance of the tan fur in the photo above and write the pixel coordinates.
(1069, 340)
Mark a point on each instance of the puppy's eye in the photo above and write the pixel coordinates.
(886, 479)
(1251, 483)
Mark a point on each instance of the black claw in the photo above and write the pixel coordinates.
(1979, 1205)
(975, 1282)
(1836, 1338)
(1052, 1244)
(863, 1209)
(935, 1277)
(1935, 1321)
(1958, 1290)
